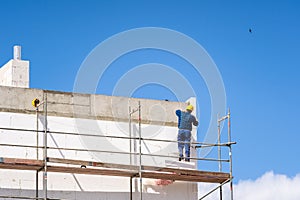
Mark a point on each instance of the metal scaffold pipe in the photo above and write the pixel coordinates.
(37, 153)
(140, 151)
(219, 152)
(36, 103)
(129, 131)
(198, 144)
(223, 118)
(45, 147)
(230, 153)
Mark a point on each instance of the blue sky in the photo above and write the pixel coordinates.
(260, 70)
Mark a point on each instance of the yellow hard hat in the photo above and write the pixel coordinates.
(35, 102)
(190, 107)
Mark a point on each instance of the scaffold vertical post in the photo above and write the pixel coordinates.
(230, 153)
(130, 188)
(37, 132)
(130, 150)
(37, 153)
(140, 152)
(129, 131)
(132, 111)
(219, 152)
(45, 147)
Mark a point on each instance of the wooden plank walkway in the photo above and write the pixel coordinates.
(111, 169)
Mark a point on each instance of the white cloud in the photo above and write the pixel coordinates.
(269, 186)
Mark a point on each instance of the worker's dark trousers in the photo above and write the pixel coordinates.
(184, 139)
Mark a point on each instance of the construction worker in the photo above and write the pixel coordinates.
(185, 122)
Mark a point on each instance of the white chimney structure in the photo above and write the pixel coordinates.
(17, 52)
(15, 73)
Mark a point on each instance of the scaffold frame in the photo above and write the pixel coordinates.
(48, 164)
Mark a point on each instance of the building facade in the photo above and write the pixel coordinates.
(94, 128)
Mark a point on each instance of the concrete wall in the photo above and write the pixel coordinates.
(89, 106)
(15, 73)
(89, 114)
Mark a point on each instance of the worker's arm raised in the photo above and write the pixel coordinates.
(178, 113)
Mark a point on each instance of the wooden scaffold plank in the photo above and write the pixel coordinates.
(20, 164)
(110, 169)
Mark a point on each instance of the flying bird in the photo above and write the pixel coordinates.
(250, 30)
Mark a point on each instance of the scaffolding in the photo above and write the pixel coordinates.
(219, 145)
(140, 171)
